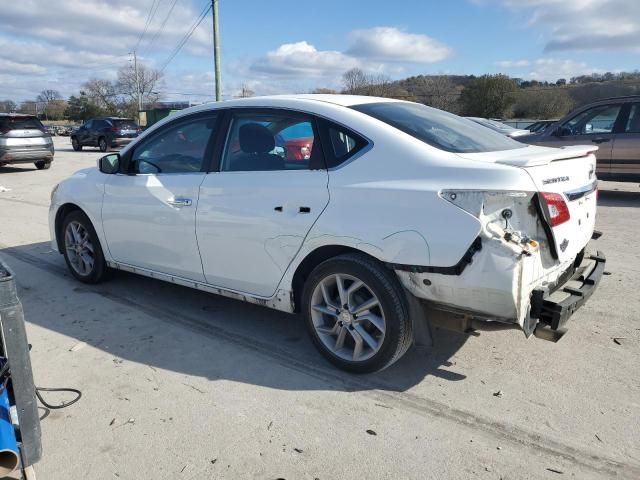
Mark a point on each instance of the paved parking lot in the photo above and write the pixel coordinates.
(178, 384)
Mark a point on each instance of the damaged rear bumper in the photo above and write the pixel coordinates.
(553, 309)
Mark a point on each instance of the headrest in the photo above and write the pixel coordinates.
(256, 138)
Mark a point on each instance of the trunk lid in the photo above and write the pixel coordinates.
(568, 172)
(22, 131)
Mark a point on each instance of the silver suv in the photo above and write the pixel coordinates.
(613, 124)
(23, 139)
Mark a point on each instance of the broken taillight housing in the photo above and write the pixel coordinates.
(557, 208)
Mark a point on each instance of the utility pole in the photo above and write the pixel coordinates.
(216, 48)
(139, 94)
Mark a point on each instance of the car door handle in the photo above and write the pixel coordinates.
(180, 202)
(304, 210)
(601, 140)
(278, 209)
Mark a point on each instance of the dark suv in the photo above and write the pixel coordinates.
(104, 133)
(23, 139)
(613, 124)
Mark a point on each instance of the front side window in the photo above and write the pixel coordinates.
(595, 120)
(177, 148)
(633, 123)
(271, 141)
(437, 128)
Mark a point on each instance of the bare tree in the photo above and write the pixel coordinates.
(8, 106)
(102, 94)
(545, 103)
(47, 96)
(246, 92)
(145, 83)
(323, 90)
(438, 91)
(354, 80)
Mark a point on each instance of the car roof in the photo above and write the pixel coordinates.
(622, 97)
(17, 115)
(310, 101)
(336, 99)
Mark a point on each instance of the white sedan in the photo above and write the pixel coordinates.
(368, 216)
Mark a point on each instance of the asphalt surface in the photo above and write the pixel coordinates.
(179, 384)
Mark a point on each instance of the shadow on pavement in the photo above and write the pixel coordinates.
(618, 198)
(24, 167)
(234, 340)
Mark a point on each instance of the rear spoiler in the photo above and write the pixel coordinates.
(553, 155)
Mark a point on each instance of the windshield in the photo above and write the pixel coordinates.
(438, 128)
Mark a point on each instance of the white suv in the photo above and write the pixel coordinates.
(363, 214)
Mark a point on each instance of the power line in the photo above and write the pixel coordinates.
(186, 37)
(164, 22)
(150, 16)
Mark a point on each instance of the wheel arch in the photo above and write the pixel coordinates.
(62, 212)
(311, 261)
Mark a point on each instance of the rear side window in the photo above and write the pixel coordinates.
(124, 124)
(341, 144)
(633, 123)
(437, 128)
(20, 123)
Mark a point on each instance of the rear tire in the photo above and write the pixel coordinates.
(365, 328)
(75, 144)
(81, 248)
(42, 165)
(103, 145)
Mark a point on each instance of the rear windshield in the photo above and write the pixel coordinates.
(437, 128)
(492, 124)
(20, 123)
(124, 124)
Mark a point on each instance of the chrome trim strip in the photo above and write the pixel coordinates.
(582, 191)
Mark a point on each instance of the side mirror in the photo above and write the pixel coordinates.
(109, 164)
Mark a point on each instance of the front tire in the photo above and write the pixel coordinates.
(76, 144)
(103, 144)
(356, 313)
(81, 248)
(42, 165)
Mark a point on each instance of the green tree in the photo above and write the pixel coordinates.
(488, 96)
(81, 108)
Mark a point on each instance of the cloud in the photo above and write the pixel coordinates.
(587, 25)
(513, 63)
(99, 26)
(549, 69)
(302, 58)
(15, 68)
(390, 44)
(371, 50)
(63, 45)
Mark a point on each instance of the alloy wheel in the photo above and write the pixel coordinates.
(80, 250)
(348, 317)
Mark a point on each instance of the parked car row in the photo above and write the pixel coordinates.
(500, 127)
